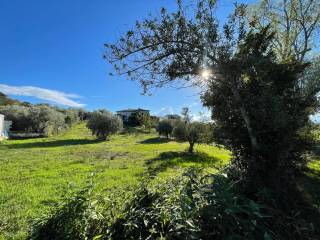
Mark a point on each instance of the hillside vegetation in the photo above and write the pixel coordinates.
(36, 173)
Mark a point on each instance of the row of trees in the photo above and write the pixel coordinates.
(103, 123)
(42, 119)
(185, 130)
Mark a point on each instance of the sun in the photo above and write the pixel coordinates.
(205, 73)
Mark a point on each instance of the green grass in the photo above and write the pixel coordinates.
(310, 182)
(36, 173)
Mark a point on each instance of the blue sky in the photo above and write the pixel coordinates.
(55, 48)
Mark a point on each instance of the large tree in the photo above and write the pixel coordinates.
(296, 25)
(259, 104)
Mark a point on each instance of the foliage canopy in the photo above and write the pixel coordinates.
(103, 124)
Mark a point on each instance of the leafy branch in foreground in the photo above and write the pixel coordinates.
(191, 206)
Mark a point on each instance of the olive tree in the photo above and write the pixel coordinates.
(19, 115)
(259, 103)
(42, 116)
(192, 132)
(140, 119)
(103, 124)
(34, 118)
(165, 128)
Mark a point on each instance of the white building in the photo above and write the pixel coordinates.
(4, 127)
(125, 114)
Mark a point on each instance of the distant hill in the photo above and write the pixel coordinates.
(5, 100)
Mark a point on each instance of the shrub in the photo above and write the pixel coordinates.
(165, 128)
(197, 206)
(190, 206)
(74, 217)
(103, 124)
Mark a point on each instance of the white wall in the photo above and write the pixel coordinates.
(4, 127)
(1, 126)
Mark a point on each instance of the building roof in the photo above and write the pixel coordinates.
(134, 110)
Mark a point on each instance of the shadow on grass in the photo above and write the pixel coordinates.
(155, 140)
(309, 182)
(171, 159)
(54, 143)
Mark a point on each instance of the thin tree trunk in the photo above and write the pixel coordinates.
(191, 144)
(253, 139)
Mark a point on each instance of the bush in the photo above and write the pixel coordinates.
(75, 217)
(197, 206)
(103, 124)
(165, 128)
(190, 206)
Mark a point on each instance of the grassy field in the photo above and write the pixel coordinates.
(35, 173)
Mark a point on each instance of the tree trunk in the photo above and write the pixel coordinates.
(253, 139)
(255, 165)
(191, 144)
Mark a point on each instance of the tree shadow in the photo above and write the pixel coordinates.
(171, 159)
(54, 143)
(155, 140)
(310, 180)
(308, 184)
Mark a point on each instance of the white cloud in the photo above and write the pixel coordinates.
(201, 116)
(43, 94)
(164, 111)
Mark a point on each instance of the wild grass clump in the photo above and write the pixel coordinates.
(191, 206)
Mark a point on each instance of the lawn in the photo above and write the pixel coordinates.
(36, 173)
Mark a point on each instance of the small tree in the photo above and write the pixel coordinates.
(165, 128)
(140, 119)
(146, 121)
(194, 132)
(154, 121)
(103, 124)
(185, 112)
(71, 116)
